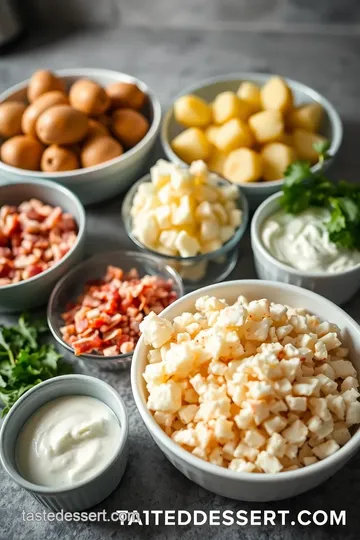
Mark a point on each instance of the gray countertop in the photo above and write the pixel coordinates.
(170, 56)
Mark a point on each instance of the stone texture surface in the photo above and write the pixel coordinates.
(185, 42)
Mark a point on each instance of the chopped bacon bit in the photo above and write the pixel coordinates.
(114, 308)
(33, 237)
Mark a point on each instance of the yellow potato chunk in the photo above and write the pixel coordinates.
(250, 93)
(211, 132)
(285, 138)
(306, 117)
(234, 134)
(216, 161)
(276, 157)
(227, 105)
(276, 94)
(191, 145)
(243, 166)
(304, 144)
(192, 111)
(267, 126)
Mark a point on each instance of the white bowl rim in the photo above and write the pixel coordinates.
(76, 173)
(347, 450)
(333, 115)
(47, 490)
(81, 226)
(255, 227)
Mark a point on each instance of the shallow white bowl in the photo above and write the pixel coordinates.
(100, 182)
(255, 192)
(86, 493)
(250, 486)
(338, 286)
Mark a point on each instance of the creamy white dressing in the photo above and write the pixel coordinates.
(302, 241)
(69, 439)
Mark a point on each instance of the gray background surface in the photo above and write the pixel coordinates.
(171, 44)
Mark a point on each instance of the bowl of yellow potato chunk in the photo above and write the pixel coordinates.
(250, 127)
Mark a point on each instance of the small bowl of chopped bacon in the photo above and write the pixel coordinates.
(96, 309)
(42, 235)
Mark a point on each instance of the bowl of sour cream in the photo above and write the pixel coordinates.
(66, 442)
(296, 249)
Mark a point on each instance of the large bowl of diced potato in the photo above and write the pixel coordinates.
(249, 127)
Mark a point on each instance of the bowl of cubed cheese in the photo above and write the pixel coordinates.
(249, 127)
(190, 218)
(250, 388)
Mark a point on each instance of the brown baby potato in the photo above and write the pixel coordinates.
(22, 151)
(43, 81)
(38, 106)
(100, 149)
(125, 95)
(10, 118)
(96, 129)
(62, 124)
(129, 126)
(88, 97)
(59, 158)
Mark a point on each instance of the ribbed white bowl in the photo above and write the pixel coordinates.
(338, 287)
(250, 486)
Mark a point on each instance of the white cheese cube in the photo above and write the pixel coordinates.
(296, 433)
(165, 397)
(268, 463)
(187, 245)
(156, 330)
(326, 449)
(296, 403)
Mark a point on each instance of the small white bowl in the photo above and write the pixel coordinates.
(255, 192)
(94, 184)
(338, 287)
(84, 494)
(225, 482)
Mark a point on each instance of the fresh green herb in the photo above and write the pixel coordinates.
(304, 188)
(24, 362)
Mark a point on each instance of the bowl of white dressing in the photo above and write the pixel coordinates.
(66, 442)
(296, 249)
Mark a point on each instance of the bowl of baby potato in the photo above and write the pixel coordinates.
(89, 129)
(249, 127)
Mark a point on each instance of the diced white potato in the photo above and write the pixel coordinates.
(191, 145)
(276, 158)
(234, 134)
(250, 92)
(228, 105)
(304, 144)
(192, 111)
(275, 94)
(243, 166)
(307, 117)
(267, 126)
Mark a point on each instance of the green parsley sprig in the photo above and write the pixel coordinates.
(24, 362)
(304, 188)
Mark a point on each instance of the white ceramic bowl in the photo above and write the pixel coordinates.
(255, 192)
(35, 291)
(338, 286)
(100, 182)
(83, 494)
(250, 486)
